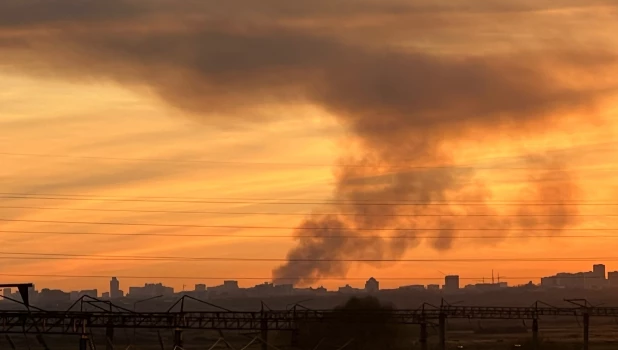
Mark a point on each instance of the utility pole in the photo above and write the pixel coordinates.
(586, 328)
(109, 334)
(264, 333)
(423, 334)
(442, 326)
(535, 333)
(585, 305)
(83, 340)
(264, 328)
(178, 343)
(135, 310)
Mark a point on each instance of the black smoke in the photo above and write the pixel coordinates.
(405, 103)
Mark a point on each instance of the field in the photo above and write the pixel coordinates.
(554, 334)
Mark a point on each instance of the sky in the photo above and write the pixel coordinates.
(267, 130)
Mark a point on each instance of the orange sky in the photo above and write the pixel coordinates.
(63, 112)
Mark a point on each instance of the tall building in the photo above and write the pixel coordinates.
(6, 292)
(612, 279)
(114, 288)
(200, 287)
(372, 285)
(451, 283)
(599, 270)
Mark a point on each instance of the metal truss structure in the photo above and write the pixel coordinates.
(106, 315)
(77, 322)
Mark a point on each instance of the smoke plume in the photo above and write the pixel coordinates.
(405, 103)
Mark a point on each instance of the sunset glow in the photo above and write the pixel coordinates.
(222, 109)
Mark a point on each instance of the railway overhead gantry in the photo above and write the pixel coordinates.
(80, 322)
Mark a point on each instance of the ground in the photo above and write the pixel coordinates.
(554, 334)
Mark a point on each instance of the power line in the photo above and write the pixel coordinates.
(246, 278)
(313, 260)
(356, 200)
(312, 165)
(299, 236)
(301, 214)
(294, 228)
(332, 202)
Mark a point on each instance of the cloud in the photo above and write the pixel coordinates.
(402, 103)
(35, 12)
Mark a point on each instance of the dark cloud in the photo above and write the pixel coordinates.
(385, 216)
(15, 13)
(403, 104)
(36, 12)
(218, 71)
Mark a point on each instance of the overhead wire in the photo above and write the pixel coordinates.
(240, 278)
(162, 211)
(475, 165)
(16, 255)
(146, 198)
(22, 195)
(301, 228)
(11, 255)
(265, 201)
(216, 235)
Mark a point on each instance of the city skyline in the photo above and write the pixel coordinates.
(597, 278)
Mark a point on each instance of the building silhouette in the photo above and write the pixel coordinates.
(55, 295)
(451, 283)
(372, 285)
(114, 288)
(594, 279)
(597, 278)
(433, 287)
(150, 290)
(413, 287)
(284, 289)
(230, 285)
(228, 288)
(612, 279)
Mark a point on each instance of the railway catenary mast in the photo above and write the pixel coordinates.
(23, 290)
